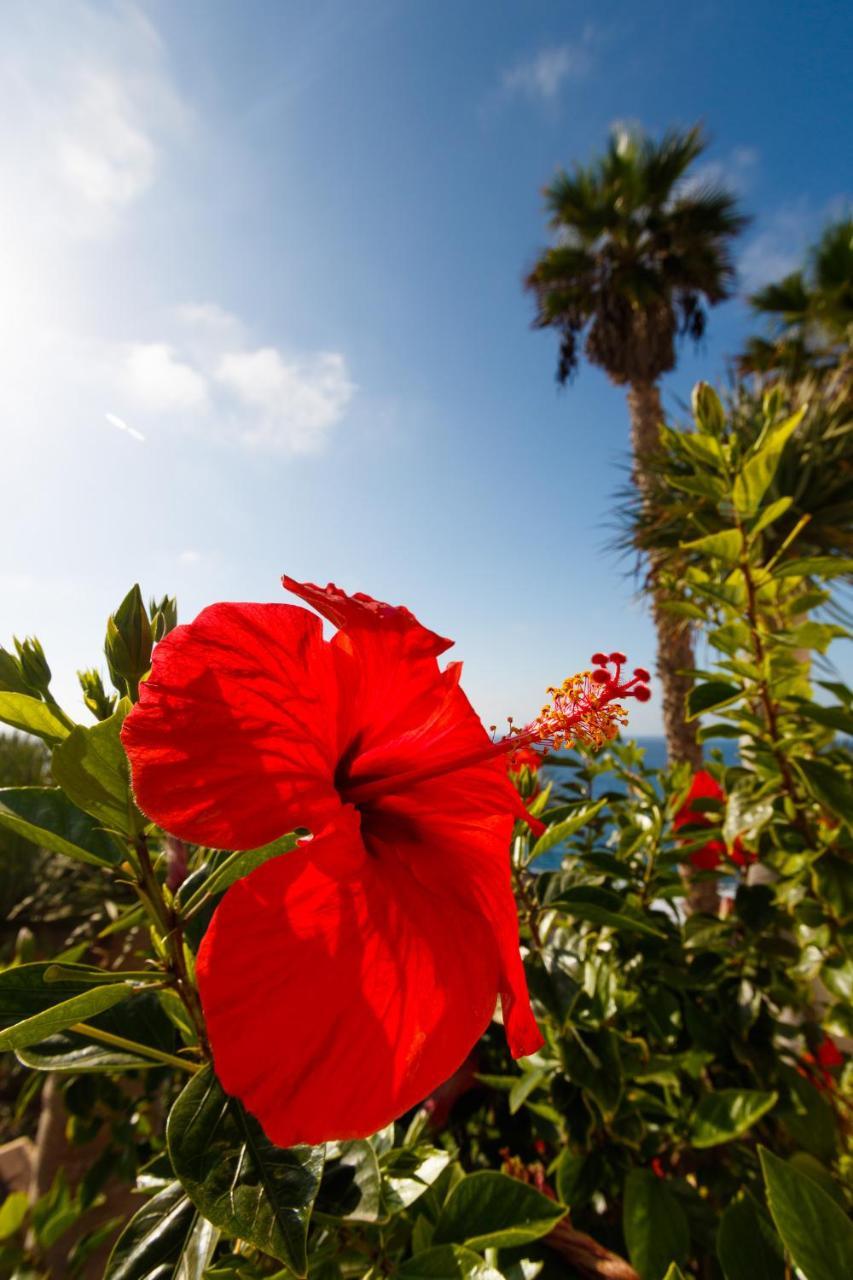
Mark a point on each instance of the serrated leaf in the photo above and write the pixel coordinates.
(816, 1232)
(63, 1015)
(728, 1113)
(491, 1210)
(167, 1239)
(92, 769)
(560, 831)
(47, 817)
(745, 1243)
(31, 715)
(655, 1227)
(236, 1177)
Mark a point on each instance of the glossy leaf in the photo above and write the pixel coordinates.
(756, 474)
(236, 1177)
(728, 1113)
(491, 1210)
(816, 1232)
(167, 1239)
(709, 696)
(829, 786)
(560, 831)
(235, 867)
(654, 1224)
(47, 817)
(351, 1186)
(141, 1020)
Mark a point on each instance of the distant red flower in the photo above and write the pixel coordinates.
(818, 1067)
(707, 858)
(344, 981)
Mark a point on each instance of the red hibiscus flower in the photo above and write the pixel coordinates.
(707, 858)
(344, 981)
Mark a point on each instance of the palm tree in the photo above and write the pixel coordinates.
(810, 314)
(640, 255)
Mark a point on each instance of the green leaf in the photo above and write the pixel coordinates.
(725, 546)
(46, 816)
(814, 567)
(447, 1262)
(769, 514)
(351, 1187)
(817, 1234)
(829, 787)
(605, 908)
(709, 695)
(236, 866)
(560, 831)
(491, 1210)
(654, 1224)
(12, 1213)
(674, 1273)
(63, 1015)
(747, 1245)
(756, 475)
(31, 715)
(236, 1177)
(167, 1239)
(91, 767)
(407, 1173)
(728, 1113)
(140, 1020)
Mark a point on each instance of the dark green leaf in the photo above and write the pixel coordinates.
(167, 1239)
(351, 1186)
(491, 1210)
(655, 1228)
(47, 817)
(236, 1177)
(236, 866)
(816, 1232)
(603, 907)
(829, 787)
(91, 767)
(63, 1014)
(447, 1262)
(747, 1245)
(141, 1020)
(710, 695)
(728, 1113)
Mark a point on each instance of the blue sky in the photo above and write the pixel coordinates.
(283, 243)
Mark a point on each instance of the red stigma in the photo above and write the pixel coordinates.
(600, 659)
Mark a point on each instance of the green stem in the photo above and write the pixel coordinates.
(131, 1046)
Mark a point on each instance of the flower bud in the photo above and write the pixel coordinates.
(164, 616)
(707, 409)
(128, 643)
(33, 664)
(11, 676)
(100, 703)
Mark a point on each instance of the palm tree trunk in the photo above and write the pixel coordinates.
(674, 640)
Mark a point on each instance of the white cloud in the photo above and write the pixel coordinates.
(291, 403)
(779, 245)
(89, 105)
(190, 557)
(542, 75)
(159, 381)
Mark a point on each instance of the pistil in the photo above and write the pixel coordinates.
(585, 708)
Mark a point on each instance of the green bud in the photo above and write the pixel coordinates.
(95, 696)
(708, 409)
(11, 676)
(128, 643)
(164, 616)
(33, 664)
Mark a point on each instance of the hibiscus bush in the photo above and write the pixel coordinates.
(350, 989)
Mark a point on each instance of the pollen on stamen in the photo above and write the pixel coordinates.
(585, 708)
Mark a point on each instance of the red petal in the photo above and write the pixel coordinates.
(340, 990)
(233, 740)
(363, 612)
(453, 835)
